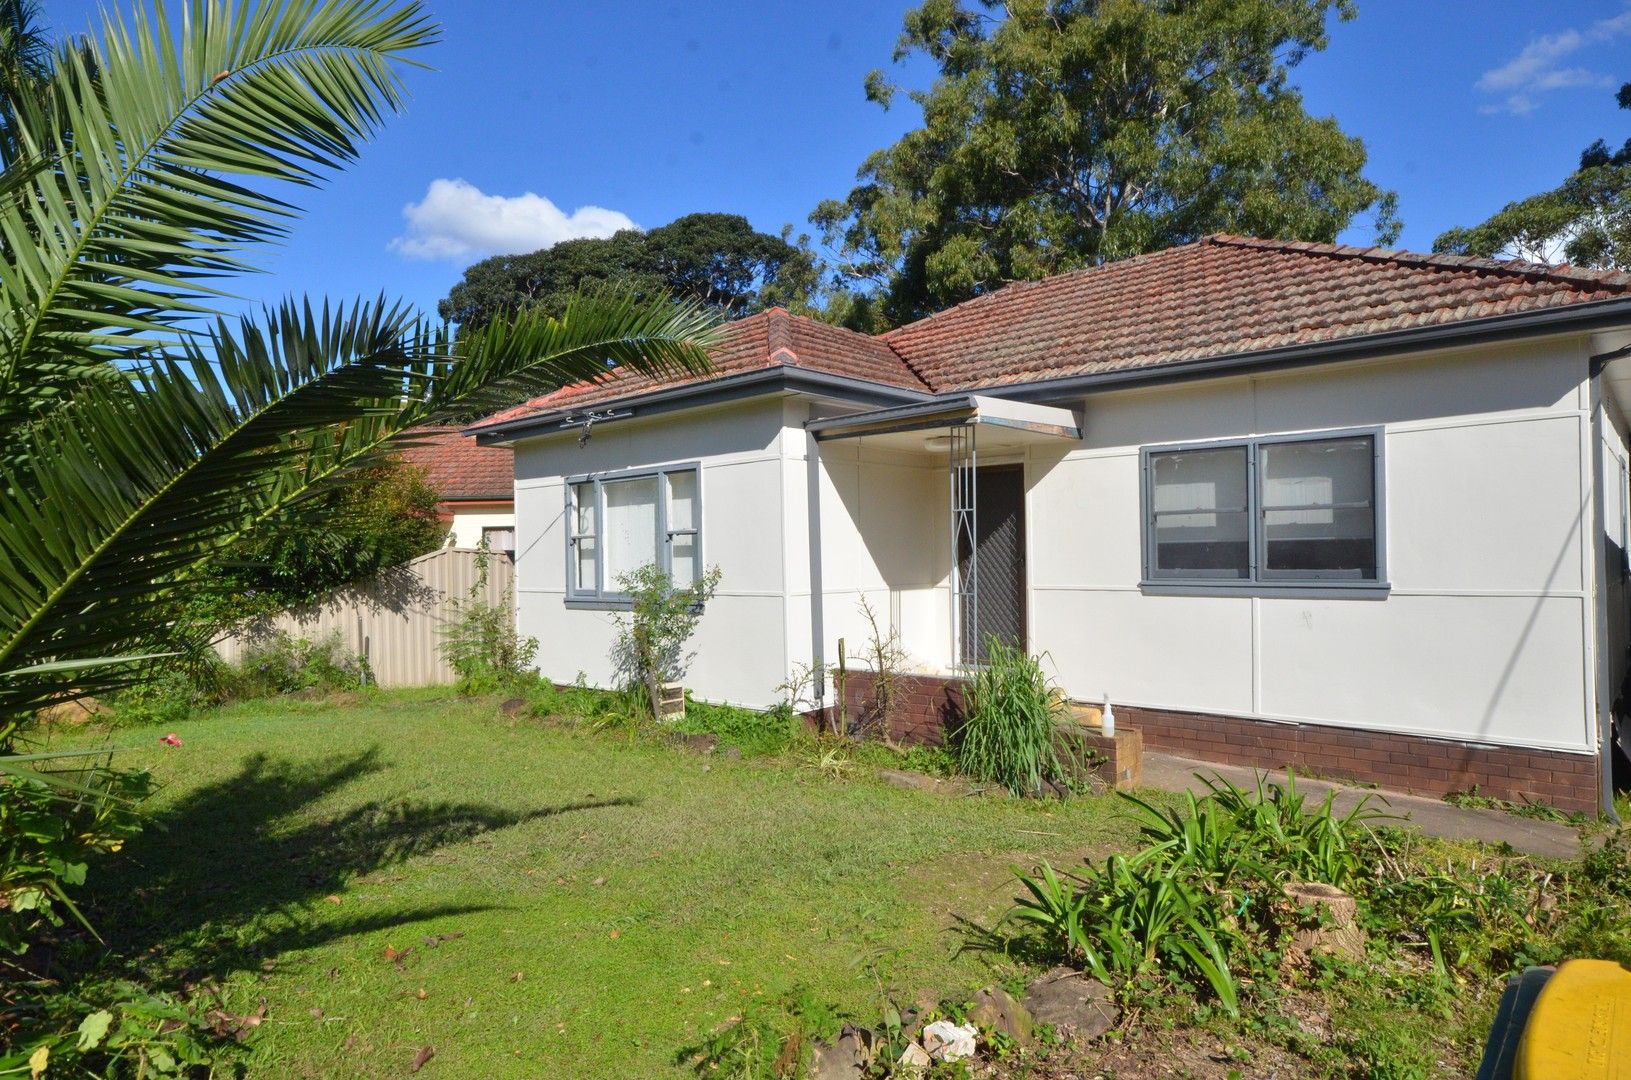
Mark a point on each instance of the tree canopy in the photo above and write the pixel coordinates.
(1064, 133)
(1586, 220)
(715, 260)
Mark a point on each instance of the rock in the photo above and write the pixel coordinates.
(914, 1059)
(1073, 1004)
(946, 1041)
(996, 1010)
(1331, 929)
(847, 1059)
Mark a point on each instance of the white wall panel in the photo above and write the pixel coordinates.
(1487, 507)
(1498, 668)
(1177, 652)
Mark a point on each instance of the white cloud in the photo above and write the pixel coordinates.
(1540, 67)
(457, 220)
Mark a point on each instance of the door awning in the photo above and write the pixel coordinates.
(1021, 418)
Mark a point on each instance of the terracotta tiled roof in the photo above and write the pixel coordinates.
(768, 339)
(457, 468)
(1220, 296)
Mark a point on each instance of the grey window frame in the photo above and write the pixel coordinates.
(1258, 580)
(601, 596)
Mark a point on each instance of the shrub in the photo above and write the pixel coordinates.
(482, 645)
(279, 664)
(1202, 903)
(1009, 735)
(52, 823)
(649, 648)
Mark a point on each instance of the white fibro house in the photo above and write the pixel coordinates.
(1360, 511)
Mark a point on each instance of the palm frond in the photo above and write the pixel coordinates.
(124, 495)
(157, 139)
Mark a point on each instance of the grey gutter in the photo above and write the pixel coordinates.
(709, 392)
(1575, 317)
(931, 407)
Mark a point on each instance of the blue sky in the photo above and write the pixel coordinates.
(551, 119)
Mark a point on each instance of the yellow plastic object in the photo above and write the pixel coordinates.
(1580, 1027)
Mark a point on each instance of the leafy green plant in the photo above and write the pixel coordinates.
(1135, 917)
(116, 1029)
(55, 815)
(1202, 901)
(482, 645)
(280, 664)
(1012, 727)
(752, 731)
(650, 644)
(1265, 833)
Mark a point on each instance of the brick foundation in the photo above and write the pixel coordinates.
(1411, 763)
(928, 706)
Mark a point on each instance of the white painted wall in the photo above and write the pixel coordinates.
(741, 642)
(1487, 634)
(466, 526)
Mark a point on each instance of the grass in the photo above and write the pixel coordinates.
(557, 902)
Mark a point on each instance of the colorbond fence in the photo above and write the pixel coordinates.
(395, 620)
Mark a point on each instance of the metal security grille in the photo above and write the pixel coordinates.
(965, 555)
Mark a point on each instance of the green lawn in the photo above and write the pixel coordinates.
(614, 900)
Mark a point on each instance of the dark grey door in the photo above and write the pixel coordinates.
(999, 526)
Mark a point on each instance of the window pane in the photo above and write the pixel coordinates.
(498, 539)
(585, 568)
(631, 527)
(1200, 507)
(1318, 517)
(683, 559)
(682, 500)
(583, 509)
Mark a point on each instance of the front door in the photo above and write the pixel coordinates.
(999, 539)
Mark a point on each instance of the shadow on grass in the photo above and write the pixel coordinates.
(242, 868)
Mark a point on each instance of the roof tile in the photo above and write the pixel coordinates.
(456, 467)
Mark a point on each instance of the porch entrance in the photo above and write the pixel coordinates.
(997, 547)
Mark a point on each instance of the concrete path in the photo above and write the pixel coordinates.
(1551, 839)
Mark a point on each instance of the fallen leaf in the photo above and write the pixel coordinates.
(421, 995)
(424, 1055)
(516, 977)
(331, 898)
(599, 881)
(614, 933)
(317, 1014)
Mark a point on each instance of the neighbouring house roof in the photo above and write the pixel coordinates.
(459, 469)
(1222, 296)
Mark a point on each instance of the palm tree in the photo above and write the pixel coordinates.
(143, 432)
(25, 63)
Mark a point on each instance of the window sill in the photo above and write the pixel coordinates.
(603, 603)
(1308, 590)
(599, 603)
